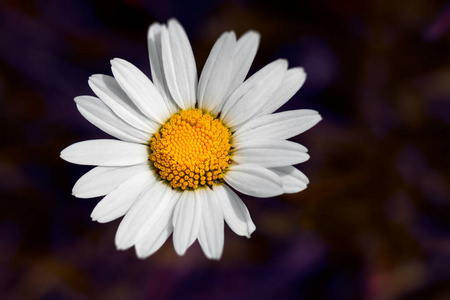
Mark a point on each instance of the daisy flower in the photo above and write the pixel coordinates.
(183, 144)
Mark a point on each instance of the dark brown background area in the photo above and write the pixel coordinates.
(373, 224)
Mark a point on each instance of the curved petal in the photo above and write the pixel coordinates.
(234, 211)
(211, 234)
(246, 49)
(119, 201)
(105, 153)
(187, 219)
(179, 65)
(254, 180)
(293, 180)
(156, 238)
(110, 92)
(216, 74)
(156, 65)
(140, 90)
(283, 125)
(251, 96)
(102, 180)
(270, 153)
(293, 80)
(157, 234)
(100, 115)
(147, 208)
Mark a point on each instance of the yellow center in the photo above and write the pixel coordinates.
(191, 150)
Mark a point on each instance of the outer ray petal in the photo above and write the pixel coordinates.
(140, 90)
(156, 238)
(293, 180)
(100, 115)
(254, 180)
(156, 235)
(150, 205)
(119, 201)
(253, 94)
(156, 64)
(109, 91)
(187, 219)
(283, 125)
(270, 153)
(234, 211)
(293, 80)
(216, 74)
(102, 180)
(105, 153)
(211, 234)
(179, 65)
(246, 48)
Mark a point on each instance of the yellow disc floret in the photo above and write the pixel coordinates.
(191, 150)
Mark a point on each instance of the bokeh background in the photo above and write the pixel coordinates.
(373, 224)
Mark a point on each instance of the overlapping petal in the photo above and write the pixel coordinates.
(156, 65)
(292, 179)
(270, 153)
(246, 49)
(234, 211)
(252, 95)
(110, 92)
(292, 81)
(283, 125)
(148, 207)
(216, 74)
(119, 201)
(179, 65)
(254, 180)
(158, 233)
(140, 90)
(102, 180)
(96, 112)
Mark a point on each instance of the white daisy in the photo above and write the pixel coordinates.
(183, 144)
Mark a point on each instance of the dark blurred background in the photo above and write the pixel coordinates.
(373, 224)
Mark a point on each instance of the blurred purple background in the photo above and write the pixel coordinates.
(373, 224)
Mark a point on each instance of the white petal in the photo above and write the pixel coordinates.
(105, 153)
(187, 219)
(156, 65)
(109, 91)
(102, 180)
(156, 238)
(270, 153)
(119, 201)
(179, 65)
(292, 82)
(293, 180)
(96, 112)
(148, 206)
(157, 234)
(254, 180)
(246, 48)
(140, 90)
(211, 234)
(150, 215)
(216, 74)
(234, 211)
(251, 96)
(283, 125)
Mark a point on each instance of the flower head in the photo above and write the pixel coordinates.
(183, 143)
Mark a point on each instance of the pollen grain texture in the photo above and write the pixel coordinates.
(191, 150)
